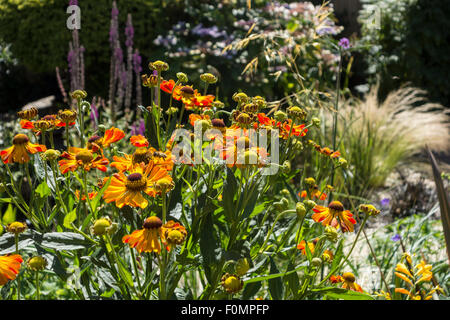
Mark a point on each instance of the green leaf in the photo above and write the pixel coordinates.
(43, 190)
(339, 293)
(250, 290)
(209, 247)
(292, 279)
(229, 190)
(9, 215)
(69, 218)
(276, 287)
(96, 199)
(65, 241)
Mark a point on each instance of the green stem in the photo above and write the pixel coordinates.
(37, 286)
(16, 241)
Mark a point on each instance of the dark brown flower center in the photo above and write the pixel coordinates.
(20, 139)
(94, 138)
(152, 223)
(187, 90)
(218, 123)
(136, 182)
(141, 155)
(336, 205)
(85, 156)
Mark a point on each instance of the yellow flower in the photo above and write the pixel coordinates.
(232, 283)
(37, 263)
(146, 239)
(173, 234)
(16, 227)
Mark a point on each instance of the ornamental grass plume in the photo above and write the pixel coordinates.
(377, 137)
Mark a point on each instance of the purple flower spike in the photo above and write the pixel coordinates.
(396, 238)
(344, 43)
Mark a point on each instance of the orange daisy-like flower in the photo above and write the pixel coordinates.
(139, 141)
(297, 130)
(195, 117)
(311, 245)
(173, 234)
(203, 101)
(76, 158)
(146, 239)
(83, 197)
(9, 267)
(127, 190)
(314, 192)
(111, 135)
(168, 85)
(334, 215)
(127, 162)
(349, 283)
(21, 150)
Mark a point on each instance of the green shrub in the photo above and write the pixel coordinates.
(39, 39)
(410, 44)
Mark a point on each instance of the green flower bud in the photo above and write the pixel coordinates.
(78, 94)
(316, 122)
(331, 234)
(280, 116)
(182, 77)
(309, 204)
(310, 181)
(242, 266)
(159, 66)
(172, 110)
(316, 262)
(209, 113)
(286, 166)
(343, 163)
(300, 210)
(37, 263)
(208, 78)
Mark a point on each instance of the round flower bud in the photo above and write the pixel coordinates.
(259, 101)
(295, 112)
(67, 115)
(285, 192)
(2, 187)
(164, 185)
(159, 66)
(182, 77)
(209, 113)
(102, 226)
(286, 166)
(172, 111)
(300, 209)
(240, 97)
(369, 209)
(310, 181)
(280, 116)
(297, 145)
(327, 256)
(16, 227)
(309, 204)
(232, 283)
(50, 155)
(331, 234)
(316, 122)
(37, 263)
(218, 104)
(316, 262)
(78, 94)
(28, 114)
(242, 266)
(208, 78)
(343, 163)
(205, 124)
